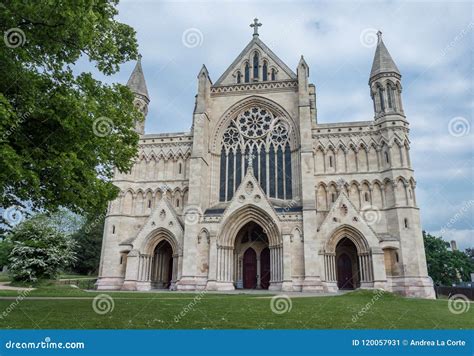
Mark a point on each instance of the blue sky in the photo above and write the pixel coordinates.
(431, 42)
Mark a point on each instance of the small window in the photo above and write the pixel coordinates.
(247, 73)
(406, 223)
(382, 104)
(386, 157)
(396, 257)
(366, 196)
(389, 96)
(265, 71)
(333, 197)
(121, 259)
(149, 204)
(273, 74)
(330, 161)
(255, 66)
(113, 229)
(177, 203)
(180, 168)
(239, 77)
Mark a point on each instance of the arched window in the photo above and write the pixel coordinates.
(273, 75)
(366, 196)
(382, 103)
(149, 204)
(247, 73)
(265, 71)
(389, 96)
(255, 66)
(333, 197)
(257, 135)
(386, 157)
(223, 175)
(177, 203)
(239, 77)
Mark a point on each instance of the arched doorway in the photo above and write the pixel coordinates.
(250, 269)
(347, 265)
(163, 264)
(253, 257)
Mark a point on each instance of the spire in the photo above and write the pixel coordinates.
(136, 82)
(383, 62)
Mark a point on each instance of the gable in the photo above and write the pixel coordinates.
(164, 217)
(250, 193)
(283, 72)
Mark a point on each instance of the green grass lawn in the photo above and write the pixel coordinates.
(216, 311)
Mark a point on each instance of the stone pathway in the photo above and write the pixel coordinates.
(7, 286)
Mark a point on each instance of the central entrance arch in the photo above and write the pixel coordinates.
(253, 255)
(249, 226)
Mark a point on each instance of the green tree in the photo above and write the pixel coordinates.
(88, 245)
(62, 132)
(40, 251)
(444, 266)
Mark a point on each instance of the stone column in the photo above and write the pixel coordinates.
(212, 276)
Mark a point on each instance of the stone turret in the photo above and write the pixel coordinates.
(385, 83)
(137, 85)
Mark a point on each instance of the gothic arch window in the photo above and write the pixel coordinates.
(239, 77)
(247, 73)
(265, 71)
(255, 65)
(273, 75)
(264, 139)
(390, 96)
(382, 103)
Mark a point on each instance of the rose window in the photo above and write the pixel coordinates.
(255, 122)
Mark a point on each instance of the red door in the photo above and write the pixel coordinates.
(250, 269)
(344, 272)
(265, 268)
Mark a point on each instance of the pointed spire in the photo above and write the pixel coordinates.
(136, 82)
(383, 62)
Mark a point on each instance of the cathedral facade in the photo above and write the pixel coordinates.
(260, 195)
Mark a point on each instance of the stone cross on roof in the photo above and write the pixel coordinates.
(255, 26)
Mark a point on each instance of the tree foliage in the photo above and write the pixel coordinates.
(62, 132)
(445, 266)
(40, 251)
(88, 243)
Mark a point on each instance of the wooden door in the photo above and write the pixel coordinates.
(344, 272)
(265, 268)
(250, 269)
